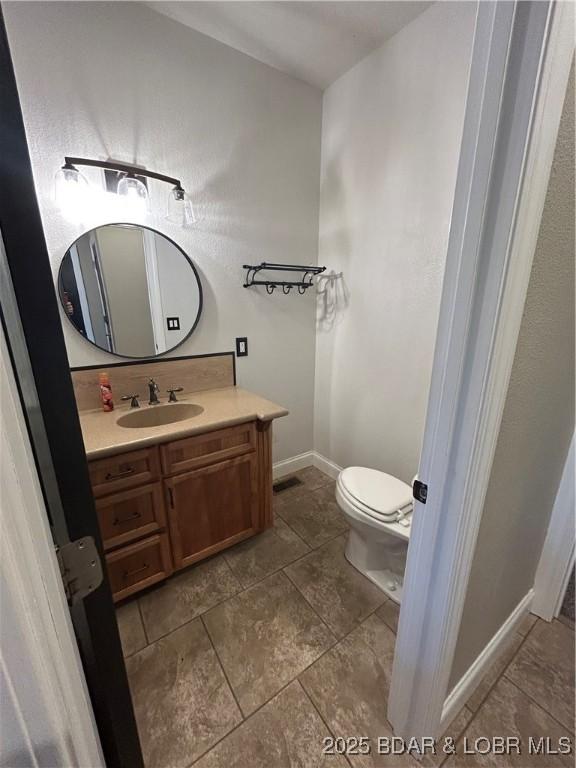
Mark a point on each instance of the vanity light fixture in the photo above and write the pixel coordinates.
(134, 193)
(180, 210)
(72, 188)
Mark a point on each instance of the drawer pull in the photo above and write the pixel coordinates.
(119, 475)
(136, 570)
(122, 520)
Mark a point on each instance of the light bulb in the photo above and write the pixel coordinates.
(71, 191)
(133, 193)
(180, 209)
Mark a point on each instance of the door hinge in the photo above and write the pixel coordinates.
(420, 491)
(80, 567)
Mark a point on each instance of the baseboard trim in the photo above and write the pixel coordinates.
(326, 465)
(293, 464)
(468, 682)
(303, 460)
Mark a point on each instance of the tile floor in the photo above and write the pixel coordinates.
(252, 658)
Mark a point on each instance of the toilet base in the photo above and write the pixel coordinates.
(383, 580)
(388, 582)
(366, 560)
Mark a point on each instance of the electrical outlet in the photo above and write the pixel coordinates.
(242, 346)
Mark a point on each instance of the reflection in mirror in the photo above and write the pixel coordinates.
(130, 290)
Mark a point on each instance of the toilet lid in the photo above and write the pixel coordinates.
(383, 493)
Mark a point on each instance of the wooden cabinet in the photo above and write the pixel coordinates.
(212, 508)
(163, 508)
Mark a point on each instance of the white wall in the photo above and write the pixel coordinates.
(391, 133)
(119, 80)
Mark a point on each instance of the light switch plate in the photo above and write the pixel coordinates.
(173, 323)
(242, 346)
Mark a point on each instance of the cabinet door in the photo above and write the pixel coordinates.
(212, 508)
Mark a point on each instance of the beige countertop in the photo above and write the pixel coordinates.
(222, 408)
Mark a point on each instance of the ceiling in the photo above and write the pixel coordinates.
(313, 41)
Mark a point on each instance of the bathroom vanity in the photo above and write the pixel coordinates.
(169, 495)
(166, 506)
(188, 473)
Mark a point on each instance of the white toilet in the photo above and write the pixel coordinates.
(379, 510)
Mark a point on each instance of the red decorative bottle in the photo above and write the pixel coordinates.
(106, 393)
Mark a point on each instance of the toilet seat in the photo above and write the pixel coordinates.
(377, 494)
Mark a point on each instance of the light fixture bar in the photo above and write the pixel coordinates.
(123, 168)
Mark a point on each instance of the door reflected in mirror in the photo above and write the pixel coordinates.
(130, 290)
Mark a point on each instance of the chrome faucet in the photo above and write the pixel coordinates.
(153, 388)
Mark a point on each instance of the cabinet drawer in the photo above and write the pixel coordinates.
(131, 514)
(139, 565)
(126, 470)
(209, 448)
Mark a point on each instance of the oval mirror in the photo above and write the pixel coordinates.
(130, 290)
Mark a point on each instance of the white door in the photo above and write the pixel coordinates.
(520, 64)
(45, 712)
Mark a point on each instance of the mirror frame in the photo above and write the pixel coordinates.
(156, 231)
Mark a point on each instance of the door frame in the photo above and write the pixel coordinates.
(154, 292)
(82, 298)
(519, 71)
(31, 320)
(557, 559)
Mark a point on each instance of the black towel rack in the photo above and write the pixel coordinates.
(306, 279)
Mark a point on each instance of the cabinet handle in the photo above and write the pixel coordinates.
(171, 496)
(136, 570)
(119, 475)
(133, 516)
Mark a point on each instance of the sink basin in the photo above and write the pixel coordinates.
(157, 415)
